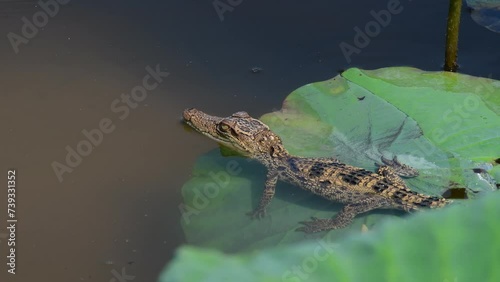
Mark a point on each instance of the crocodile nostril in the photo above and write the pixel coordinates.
(188, 113)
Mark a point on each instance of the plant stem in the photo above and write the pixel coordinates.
(450, 62)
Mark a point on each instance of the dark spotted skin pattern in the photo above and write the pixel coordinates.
(359, 189)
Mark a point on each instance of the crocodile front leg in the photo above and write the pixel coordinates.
(346, 215)
(267, 196)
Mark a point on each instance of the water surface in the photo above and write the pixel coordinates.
(118, 209)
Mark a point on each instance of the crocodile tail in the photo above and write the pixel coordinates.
(412, 200)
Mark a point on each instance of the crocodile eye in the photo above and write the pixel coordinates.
(226, 129)
(223, 127)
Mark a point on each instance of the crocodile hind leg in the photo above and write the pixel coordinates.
(399, 168)
(392, 176)
(346, 215)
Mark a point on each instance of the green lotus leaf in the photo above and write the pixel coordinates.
(459, 243)
(446, 125)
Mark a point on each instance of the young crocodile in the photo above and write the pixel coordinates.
(360, 190)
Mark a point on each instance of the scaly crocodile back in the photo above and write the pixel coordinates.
(409, 198)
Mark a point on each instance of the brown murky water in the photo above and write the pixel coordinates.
(117, 210)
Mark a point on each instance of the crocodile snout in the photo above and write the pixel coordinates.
(189, 113)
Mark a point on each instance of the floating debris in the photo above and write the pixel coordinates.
(256, 69)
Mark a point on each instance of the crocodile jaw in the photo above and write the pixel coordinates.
(207, 125)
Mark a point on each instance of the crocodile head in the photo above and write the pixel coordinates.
(240, 132)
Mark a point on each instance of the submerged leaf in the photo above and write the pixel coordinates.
(486, 13)
(459, 243)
